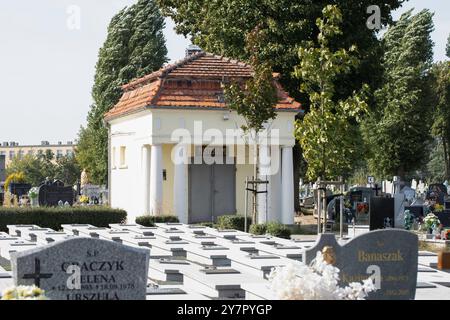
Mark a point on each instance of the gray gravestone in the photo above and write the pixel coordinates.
(108, 270)
(394, 253)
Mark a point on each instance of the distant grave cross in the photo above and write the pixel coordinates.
(376, 189)
(37, 275)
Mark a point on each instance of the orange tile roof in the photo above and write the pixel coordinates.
(194, 82)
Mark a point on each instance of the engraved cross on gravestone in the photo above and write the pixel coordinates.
(37, 275)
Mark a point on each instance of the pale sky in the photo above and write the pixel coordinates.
(47, 69)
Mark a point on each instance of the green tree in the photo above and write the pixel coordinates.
(441, 112)
(221, 27)
(67, 170)
(447, 49)
(435, 168)
(255, 99)
(397, 131)
(326, 133)
(135, 46)
(34, 167)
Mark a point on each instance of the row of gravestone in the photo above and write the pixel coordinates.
(89, 268)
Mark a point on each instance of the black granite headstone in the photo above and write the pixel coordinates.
(50, 194)
(416, 211)
(444, 218)
(19, 189)
(381, 213)
(437, 192)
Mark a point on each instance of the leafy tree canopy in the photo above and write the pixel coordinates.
(326, 133)
(397, 132)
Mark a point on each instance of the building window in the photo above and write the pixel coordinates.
(21, 154)
(59, 154)
(12, 154)
(123, 159)
(30, 152)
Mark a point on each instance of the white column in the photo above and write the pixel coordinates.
(156, 180)
(263, 174)
(275, 185)
(287, 181)
(180, 199)
(146, 178)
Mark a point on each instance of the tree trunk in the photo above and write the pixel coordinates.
(255, 177)
(446, 158)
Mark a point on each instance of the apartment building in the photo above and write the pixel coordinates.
(11, 150)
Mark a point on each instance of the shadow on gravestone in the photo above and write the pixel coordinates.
(393, 254)
(107, 270)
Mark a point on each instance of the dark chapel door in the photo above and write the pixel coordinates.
(212, 191)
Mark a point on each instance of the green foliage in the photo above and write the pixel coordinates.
(207, 224)
(38, 167)
(235, 222)
(135, 46)
(440, 128)
(327, 134)
(255, 100)
(54, 217)
(258, 229)
(447, 48)
(397, 129)
(435, 169)
(273, 228)
(149, 221)
(67, 170)
(221, 26)
(278, 230)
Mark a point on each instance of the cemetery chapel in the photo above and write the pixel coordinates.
(144, 179)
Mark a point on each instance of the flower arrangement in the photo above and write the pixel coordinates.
(84, 199)
(24, 293)
(33, 193)
(447, 234)
(438, 207)
(431, 221)
(362, 208)
(409, 220)
(319, 281)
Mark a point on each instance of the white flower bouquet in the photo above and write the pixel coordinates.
(431, 221)
(319, 281)
(24, 293)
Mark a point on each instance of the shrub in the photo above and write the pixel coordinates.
(278, 230)
(236, 222)
(53, 218)
(149, 221)
(273, 228)
(207, 224)
(258, 229)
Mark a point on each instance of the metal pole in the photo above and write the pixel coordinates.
(267, 200)
(341, 213)
(324, 208)
(246, 204)
(318, 211)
